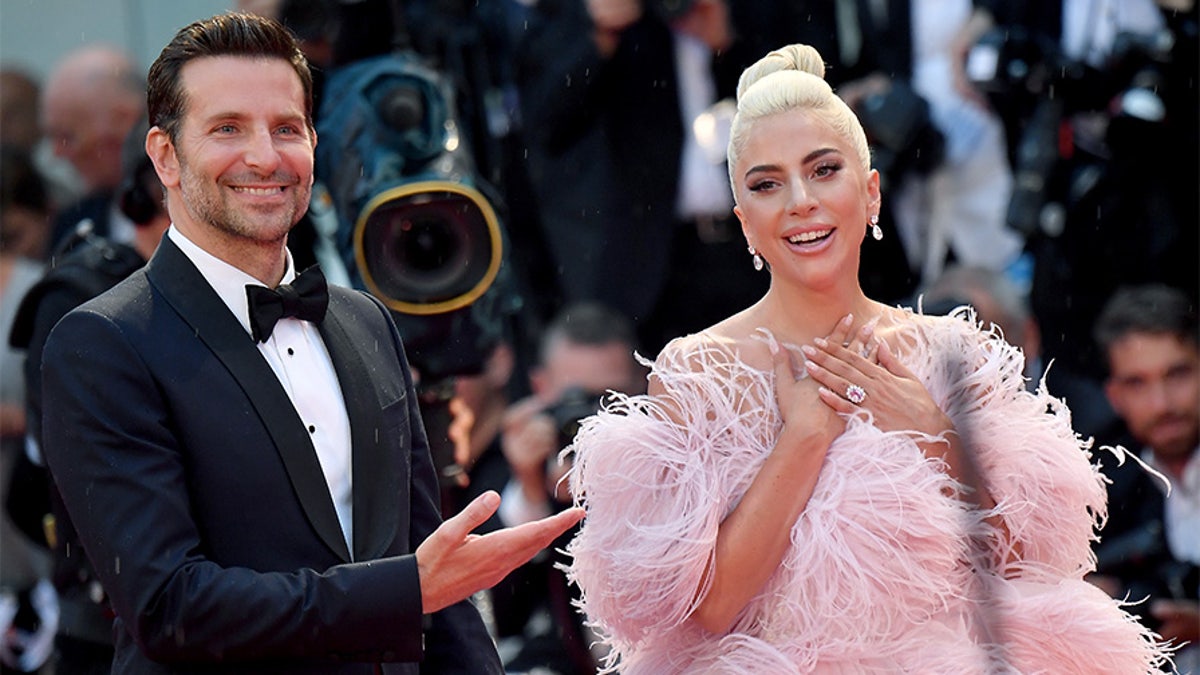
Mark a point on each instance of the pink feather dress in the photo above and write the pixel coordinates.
(878, 577)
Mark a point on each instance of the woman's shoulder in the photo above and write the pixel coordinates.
(727, 343)
(961, 326)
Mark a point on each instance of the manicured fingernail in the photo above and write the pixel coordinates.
(808, 350)
(820, 342)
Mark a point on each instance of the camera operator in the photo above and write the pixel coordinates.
(585, 351)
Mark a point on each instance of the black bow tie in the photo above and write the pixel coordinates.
(305, 298)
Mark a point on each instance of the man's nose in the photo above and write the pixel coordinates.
(260, 151)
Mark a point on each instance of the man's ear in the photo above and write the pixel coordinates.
(312, 178)
(161, 152)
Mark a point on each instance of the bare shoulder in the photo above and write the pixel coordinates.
(725, 356)
(916, 338)
(733, 340)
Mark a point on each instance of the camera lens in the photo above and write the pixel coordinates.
(429, 249)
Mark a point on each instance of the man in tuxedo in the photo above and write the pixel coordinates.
(240, 446)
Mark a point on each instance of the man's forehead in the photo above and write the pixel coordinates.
(251, 82)
(1140, 349)
(220, 67)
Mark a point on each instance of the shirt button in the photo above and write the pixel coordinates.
(312, 429)
(291, 352)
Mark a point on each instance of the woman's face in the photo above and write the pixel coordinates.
(804, 199)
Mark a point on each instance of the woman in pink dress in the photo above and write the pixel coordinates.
(824, 484)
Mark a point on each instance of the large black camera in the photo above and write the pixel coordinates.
(414, 225)
(572, 407)
(1036, 90)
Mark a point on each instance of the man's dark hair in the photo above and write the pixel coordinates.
(1150, 308)
(589, 323)
(229, 34)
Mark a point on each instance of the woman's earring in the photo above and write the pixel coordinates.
(876, 231)
(758, 261)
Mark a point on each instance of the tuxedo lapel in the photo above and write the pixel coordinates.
(190, 295)
(376, 494)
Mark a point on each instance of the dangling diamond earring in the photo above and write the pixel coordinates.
(876, 231)
(758, 261)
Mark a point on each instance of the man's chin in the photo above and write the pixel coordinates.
(1173, 445)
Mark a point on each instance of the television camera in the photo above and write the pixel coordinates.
(415, 226)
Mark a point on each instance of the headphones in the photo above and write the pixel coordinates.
(135, 199)
(139, 195)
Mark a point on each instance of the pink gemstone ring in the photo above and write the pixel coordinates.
(856, 394)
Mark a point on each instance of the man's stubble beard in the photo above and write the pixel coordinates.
(207, 205)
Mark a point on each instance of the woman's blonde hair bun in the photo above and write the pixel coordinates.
(797, 57)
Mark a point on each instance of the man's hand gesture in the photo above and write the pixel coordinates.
(454, 564)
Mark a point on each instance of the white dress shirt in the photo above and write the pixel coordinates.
(299, 358)
(1181, 507)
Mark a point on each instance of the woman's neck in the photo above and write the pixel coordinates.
(801, 314)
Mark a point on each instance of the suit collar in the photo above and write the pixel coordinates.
(187, 291)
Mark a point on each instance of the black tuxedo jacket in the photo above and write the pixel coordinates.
(200, 500)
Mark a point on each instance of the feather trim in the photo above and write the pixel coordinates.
(880, 566)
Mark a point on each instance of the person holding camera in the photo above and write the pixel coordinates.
(1088, 92)
(238, 445)
(585, 351)
(825, 483)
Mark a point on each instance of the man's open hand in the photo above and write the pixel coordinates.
(454, 564)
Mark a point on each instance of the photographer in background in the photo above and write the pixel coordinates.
(997, 302)
(585, 351)
(941, 155)
(1092, 94)
(1149, 548)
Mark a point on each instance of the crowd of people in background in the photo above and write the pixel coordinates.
(1059, 202)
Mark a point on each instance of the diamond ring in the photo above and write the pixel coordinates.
(856, 394)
